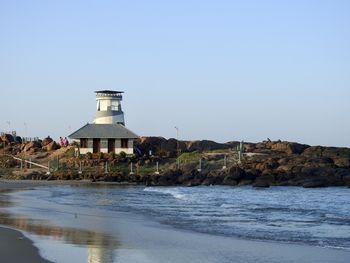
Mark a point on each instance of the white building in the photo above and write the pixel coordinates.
(107, 133)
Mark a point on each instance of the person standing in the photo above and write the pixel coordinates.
(65, 142)
(61, 142)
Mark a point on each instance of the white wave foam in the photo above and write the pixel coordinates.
(227, 206)
(169, 191)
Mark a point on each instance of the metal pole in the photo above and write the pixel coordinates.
(240, 151)
(106, 168)
(48, 168)
(157, 168)
(131, 170)
(200, 165)
(80, 168)
(9, 124)
(225, 162)
(177, 147)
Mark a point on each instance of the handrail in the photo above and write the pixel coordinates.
(30, 162)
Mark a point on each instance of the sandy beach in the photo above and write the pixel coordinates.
(14, 246)
(65, 234)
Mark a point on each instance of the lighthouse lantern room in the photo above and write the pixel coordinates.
(108, 107)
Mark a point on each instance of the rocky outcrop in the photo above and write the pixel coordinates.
(32, 146)
(7, 138)
(269, 163)
(52, 146)
(280, 146)
(205, 145)
(46, 141)
(168, 148)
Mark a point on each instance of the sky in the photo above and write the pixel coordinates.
(221, 70)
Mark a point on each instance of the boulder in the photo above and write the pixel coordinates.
(169, 177)
(7, 138)
(288, 147)
(346, 179)
(214, 178)
(52, 146)
(160, 146)
(32, 145)
(46, 141)
(236, 173)
(315, 183)
(229, 181)
(342, 162)
(245, 182)
(264, 181)
(205, 145)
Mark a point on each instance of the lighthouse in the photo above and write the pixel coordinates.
(107, 133)
(109, 108)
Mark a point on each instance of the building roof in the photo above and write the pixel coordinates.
(103, 131)
(109, 91)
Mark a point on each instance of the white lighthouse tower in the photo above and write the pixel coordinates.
(108, 108)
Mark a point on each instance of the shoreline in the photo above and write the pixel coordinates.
(139, 239)
(15, 247)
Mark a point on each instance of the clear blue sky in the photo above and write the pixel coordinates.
(221, 70)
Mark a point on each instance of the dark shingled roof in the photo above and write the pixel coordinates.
(103, 131)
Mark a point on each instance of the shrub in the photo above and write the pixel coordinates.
(122, 154)
(88, 155)
(100, 155)
(111, 156)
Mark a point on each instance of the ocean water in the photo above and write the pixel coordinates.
(318, 217)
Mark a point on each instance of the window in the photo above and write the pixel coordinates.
(83, 143)
(124, 143)
(115, 105)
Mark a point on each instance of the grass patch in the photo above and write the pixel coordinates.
(190, 157)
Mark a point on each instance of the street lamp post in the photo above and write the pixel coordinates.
(9, 124)
(25, 131)
(177, 147)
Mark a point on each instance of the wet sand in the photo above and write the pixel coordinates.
(14, 246)
(125, 237)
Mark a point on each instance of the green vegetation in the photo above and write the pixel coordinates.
(88, 155)
(190, 157)
(122, 154)
(70, 153)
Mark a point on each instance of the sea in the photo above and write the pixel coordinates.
(317, 217)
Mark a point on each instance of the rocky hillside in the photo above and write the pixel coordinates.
(264, 164)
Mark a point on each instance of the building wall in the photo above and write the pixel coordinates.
(104, 146)
(109, 119)
(129, 150)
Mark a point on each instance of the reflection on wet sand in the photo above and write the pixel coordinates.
(100, 246)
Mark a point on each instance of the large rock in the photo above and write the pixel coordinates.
(169, 177)
(160, 146)
(282, 147)
(228, 180)
(7, 138)
(264, 181)
(32, 145)
(236, 173)
(205, 145)
(52, 146)
(46, 141)
(342, 162)
(289, 147)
